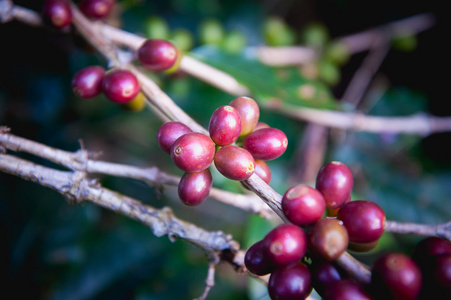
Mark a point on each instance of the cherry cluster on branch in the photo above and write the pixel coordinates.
(321, 224)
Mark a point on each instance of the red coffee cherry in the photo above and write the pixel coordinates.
(263, 171)
(335, 182)
(120, 86)
(157, 55)
(256, 261)
(346, 289)
(194, 188)
(285, 245)
(324, 273)
(362, 247)
(225, 125)
(57, 13)
(332, 212)
(395, 276)
(261, 125)
(96, 9)
(266, 143)
(428, 248)
(438, 282)
(303, 205)
(328, 238)
(169, 132)
(234, 162)
(290, 283)
(87, 82)
(193, 152)
(249, 113)
(364, 221)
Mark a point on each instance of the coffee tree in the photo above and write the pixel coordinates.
(242, 140)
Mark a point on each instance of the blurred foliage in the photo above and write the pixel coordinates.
(52, 250)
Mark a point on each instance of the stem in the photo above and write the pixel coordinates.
(440, 230)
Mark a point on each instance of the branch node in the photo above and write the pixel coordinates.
(75, 194)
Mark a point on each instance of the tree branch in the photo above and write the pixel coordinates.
(440, 230)
(420, 125)
(81, 161)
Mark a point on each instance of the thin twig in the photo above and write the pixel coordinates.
(440, 230)
(210, 281)
(420, 125)
(81, 161)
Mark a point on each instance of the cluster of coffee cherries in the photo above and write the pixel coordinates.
(120, 85)
(58, 14)
(282, 252)
(229, 126)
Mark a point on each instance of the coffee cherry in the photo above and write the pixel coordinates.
(87, 82)
(57, 13)
(263, 171)
(194, 188)
(323, 273)
(335, 182)
(395, 276)
(249, 113)
(234, 162)
(285, 245)
(364, 221)
(120, 86)
(332, 212)
(136, 104)
(428, 248)
(345, 289)
(303, 205)
(328, 238)
(225, 125)
(169, 132)
(193, 152)
(256, 261)
(266, 143)
(96, 9)
(261, 125)
(157, 55)
(438, 282)
(290, 283)
(362, 247)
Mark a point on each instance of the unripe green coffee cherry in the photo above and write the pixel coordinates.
(315, 35)
(182, 39)
(234, 42)
(211, 31)
(277, 33)
(156, 28)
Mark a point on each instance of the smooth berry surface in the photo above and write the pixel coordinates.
(57, 13)
(120, 86)
(87, 82)
(225, 125)
(256, 261)
(234, 162)
(96, 9)
(335, 181)
(346, 289)
(324, 273)
(285, 245)
(428, 248)
(193, 152)
(194, 188)
(328, 238)
(263, 171)
(169, 132)
(303, 205)
(395, 276)
(266, 143)
(157, 55)
(249, 113)
(364, 221)
(290, 283)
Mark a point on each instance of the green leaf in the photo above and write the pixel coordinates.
(268, 83)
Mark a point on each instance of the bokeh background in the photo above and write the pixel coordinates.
(52, 250)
